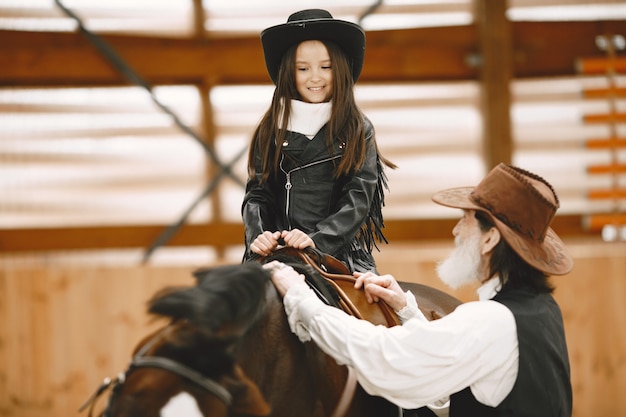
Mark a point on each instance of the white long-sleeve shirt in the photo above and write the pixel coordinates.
(421, 362)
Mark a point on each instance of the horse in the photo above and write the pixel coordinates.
(231, 328)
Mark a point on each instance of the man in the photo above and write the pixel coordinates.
(502, 355)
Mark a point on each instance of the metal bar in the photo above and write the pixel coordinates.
(119, 64)
(170, 231)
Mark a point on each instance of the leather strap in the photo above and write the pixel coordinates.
(347, 395)
(336, 273)
(181, 370)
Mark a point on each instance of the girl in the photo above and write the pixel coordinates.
(316, 177)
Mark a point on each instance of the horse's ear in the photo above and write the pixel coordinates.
(247, 398)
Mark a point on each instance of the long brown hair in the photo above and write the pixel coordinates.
(509, 267)
(346, 122)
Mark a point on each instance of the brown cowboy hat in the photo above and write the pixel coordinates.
(522, 206)
(313, 24)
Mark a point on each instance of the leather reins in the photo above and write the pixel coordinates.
(335, 271)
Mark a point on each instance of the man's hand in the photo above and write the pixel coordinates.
(383, 287)
(284, 276)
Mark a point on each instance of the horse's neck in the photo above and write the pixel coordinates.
(289, 372)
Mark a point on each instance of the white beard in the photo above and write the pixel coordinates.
(462, 266)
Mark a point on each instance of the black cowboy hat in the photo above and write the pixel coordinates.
(313, 24)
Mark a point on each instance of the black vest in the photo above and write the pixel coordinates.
(543, 387)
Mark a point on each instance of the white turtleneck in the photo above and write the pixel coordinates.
(308, 118)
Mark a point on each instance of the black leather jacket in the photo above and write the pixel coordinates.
(343, 216)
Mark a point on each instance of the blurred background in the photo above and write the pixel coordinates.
(124, 131)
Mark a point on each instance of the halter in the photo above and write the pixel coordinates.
(142, 361)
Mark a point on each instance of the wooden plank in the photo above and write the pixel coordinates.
(539, 49)
(594, 66)
(64, 329)
(68, 59)
(607, 169)
(604, 93)
(607, 194)
(616, 142)
(419, 54)
(108, 237)
(595, 222)
(592, 298)
(542, 49)
(615, 117)
(219, 235)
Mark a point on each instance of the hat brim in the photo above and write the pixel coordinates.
(549, 256)
(276, 40)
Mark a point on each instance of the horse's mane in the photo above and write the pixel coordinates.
(209, 317)
(229, 296)
(223, 305)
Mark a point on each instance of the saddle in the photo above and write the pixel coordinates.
(339, 278)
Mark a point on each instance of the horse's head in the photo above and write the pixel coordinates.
(187, 367)
(180, 371)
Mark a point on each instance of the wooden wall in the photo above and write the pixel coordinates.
(63, 330)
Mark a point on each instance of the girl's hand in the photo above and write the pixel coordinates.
(383, 287)
(297, 239)
(265, 243)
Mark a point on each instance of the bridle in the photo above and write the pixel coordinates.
(141, 360)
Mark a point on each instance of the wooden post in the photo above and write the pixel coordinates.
(208, 128)
(496, 71)
(198, 20)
